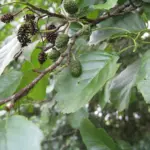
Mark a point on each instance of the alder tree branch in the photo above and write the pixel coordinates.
(41, 10)
(117, 10)
(46, 11)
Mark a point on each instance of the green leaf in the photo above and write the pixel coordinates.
(95, 139)
(26, 66)
(17, 133)
(7, 30)
(93, 14)
(109, 4)
(121, 86)
(143, 82)
(117, 25)
(76, 118)
(39, 90)
(73, 93)
(9, 83)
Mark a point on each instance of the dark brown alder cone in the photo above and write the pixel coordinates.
(51, 36)
(42, 57)
(7, 18)
(33, 28)
(25, 32)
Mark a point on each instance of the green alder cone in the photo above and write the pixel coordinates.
(75, 68)
(70, 6)
(54, 54)
(61, 40)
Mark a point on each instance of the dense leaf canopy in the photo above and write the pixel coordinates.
(74, 75)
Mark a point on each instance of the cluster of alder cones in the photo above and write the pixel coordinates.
(60, 41)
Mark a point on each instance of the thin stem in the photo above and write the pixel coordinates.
(126, 49)
(43, 11)
(145, 42)
(127, 36)
(20, 11)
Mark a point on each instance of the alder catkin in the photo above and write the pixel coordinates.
(7, 18)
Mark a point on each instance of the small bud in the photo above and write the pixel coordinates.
(61, 40)
(54, 54)
(9, 106)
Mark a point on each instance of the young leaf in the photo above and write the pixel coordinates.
(17, 133)
(95, 139)
(73, 93)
